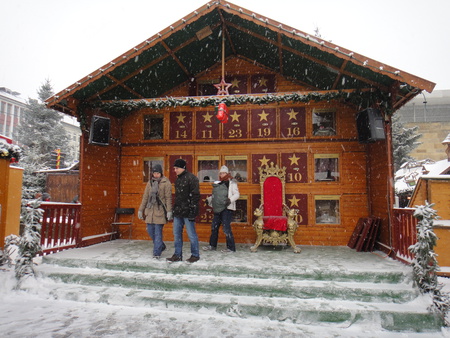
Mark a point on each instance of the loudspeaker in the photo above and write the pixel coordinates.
(370, 125)
(99, 133)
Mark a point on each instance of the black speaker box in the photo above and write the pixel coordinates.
(370, 125)
(99, 133)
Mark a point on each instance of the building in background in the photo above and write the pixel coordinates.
(431, 113)
(12, 107)
(72, 127)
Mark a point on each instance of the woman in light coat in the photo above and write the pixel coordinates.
(156, 208)
(224, 216)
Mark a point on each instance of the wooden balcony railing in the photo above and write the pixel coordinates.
(60, 226)
(404, 233)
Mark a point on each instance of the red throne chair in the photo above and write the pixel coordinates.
(275, 223)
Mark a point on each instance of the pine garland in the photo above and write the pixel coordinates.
(361, 99)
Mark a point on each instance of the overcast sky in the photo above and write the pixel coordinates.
(65, 40)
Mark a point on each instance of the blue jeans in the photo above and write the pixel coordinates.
(178, 224)
(223, 217)
(155, 233)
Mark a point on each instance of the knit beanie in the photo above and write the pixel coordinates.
(157, 169)
(224, 169)
(180, 163)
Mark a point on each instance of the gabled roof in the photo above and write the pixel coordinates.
(193, 45)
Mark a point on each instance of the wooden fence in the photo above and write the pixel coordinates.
(404, 233)
(61, 229)
(60, 226)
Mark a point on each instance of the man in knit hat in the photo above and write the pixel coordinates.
(185, 209)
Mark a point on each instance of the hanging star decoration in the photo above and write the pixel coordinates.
(222, 87)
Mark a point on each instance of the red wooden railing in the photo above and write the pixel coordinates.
(404, 233)
(61, 229)
(60, 226)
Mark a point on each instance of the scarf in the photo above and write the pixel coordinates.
(227, 177)
(153, 198)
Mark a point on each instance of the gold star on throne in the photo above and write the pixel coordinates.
(222, 87)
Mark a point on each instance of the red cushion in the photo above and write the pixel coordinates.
(273, 196)
(275, 223)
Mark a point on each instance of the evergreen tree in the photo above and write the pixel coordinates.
(40, 133)
(404, 140)
(41, 128)
(33, 182)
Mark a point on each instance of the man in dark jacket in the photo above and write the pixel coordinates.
(185, 209)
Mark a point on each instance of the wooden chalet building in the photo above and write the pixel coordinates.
(293, 101)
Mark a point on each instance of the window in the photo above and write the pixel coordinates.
(237, 165)
(208, 168)
(327, 209)
(326, 167)
(149, 163)
(324, 122)
(240, 214)
(153, 127)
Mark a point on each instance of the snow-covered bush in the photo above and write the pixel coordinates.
(11, 243)
(29, 242)
(425, 264)
(10, 151)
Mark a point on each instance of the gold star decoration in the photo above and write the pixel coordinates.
(263, 82)
(264, 161)
(222, 87)
(294, 201)
(294, 159)
(235, 83)
(235, 117)
(181, 118)
(292, 115)
(207, 117)
(263, 116)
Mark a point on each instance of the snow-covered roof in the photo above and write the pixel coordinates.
(136, 74)
(74, 166)
(438, 169)
(407, 176)
(13, 96)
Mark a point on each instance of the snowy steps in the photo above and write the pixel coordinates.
(308, 296)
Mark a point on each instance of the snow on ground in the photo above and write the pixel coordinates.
(32, 312)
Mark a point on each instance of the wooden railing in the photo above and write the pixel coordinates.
(60, 226)
(404, 233)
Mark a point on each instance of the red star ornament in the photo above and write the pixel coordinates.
(222, 87)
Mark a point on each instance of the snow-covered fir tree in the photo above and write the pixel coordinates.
(425, 264)
(33, 182)
(29, 243)
(40, 133)
(41, 128)
(404, 140)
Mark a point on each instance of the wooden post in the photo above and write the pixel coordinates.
(10, 200)
(4, 183)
